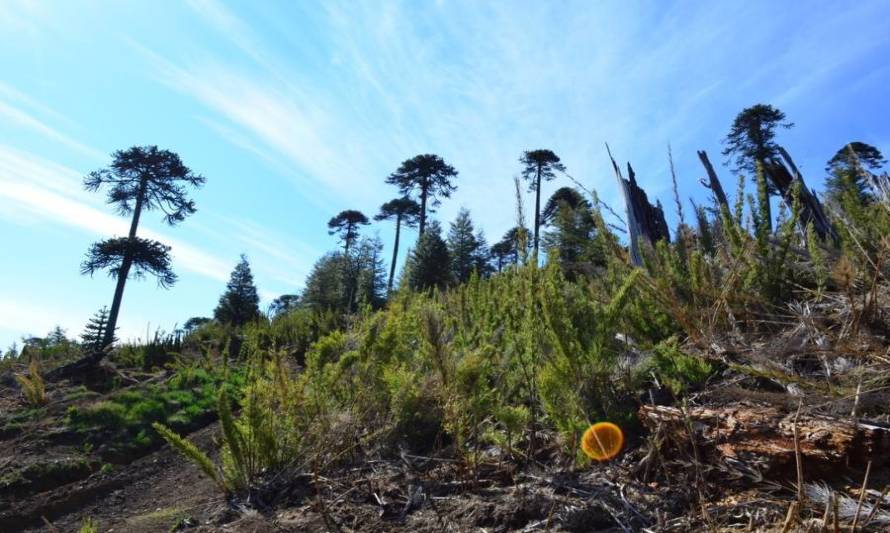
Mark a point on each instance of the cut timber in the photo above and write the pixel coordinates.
(763, 437)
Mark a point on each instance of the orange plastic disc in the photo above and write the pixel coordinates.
(602, 441)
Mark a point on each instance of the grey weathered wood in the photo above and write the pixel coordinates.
(713, 182)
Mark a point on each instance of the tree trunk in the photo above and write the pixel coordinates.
(123, 274)
(395, 255)
(423, 193)
(643, 219)
(713, 181)
(347, 240)
(537, 210)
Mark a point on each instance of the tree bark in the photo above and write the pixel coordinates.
(713, 181)
(123, 273)
(348, 239)
(423, 193)
(537, 209)
(395, 255)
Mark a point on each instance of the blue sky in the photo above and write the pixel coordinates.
(294, 111)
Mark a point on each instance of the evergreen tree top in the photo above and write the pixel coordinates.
(240, 303)
(563, 197)
(426, 172)
(147, 256)
(541, 161)
(152, 177)
(867, 156)
(404, 207)
(751, 137)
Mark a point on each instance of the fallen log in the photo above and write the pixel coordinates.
(764, 436)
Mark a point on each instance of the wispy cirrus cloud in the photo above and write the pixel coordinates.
(275, 115)
(43, 190)
(25, 120)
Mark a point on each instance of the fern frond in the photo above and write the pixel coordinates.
(189, 450)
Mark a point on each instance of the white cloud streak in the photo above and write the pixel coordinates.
(27, 121)
(42, 189)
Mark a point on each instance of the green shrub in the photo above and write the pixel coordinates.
(678, 371)
(33, 387)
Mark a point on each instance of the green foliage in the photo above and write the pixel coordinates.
(851, 173)
(572, 240)
(530, 353)
(188, 449)
(751, 139)
(676, 370)
(240, 303)
(144, 256)
(539, 166)
(406, 212)
(265, 437)
(93, 335)
(430, 263)
(466, 252)
(32, 384)
(346, 225)
(341, 284)
(122, 423)
(88, 526)
(430, 177)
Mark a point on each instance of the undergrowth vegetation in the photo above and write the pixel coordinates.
(525, 360)
(120, 425)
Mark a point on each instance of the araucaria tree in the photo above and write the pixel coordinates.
(405, 211)
(240, 303)
(539, 166)
(430, 177)
(346, 225)
(141, 178)
(751, 138)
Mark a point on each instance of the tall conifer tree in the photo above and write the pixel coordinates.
(430, 177)
(539, 166)
(141, 178)
(240, 303)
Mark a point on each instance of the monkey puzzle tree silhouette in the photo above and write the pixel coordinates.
(751, 138)
(405, 211)
(539, 166)
(430, 176)
(141, 178)
(345, 225)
